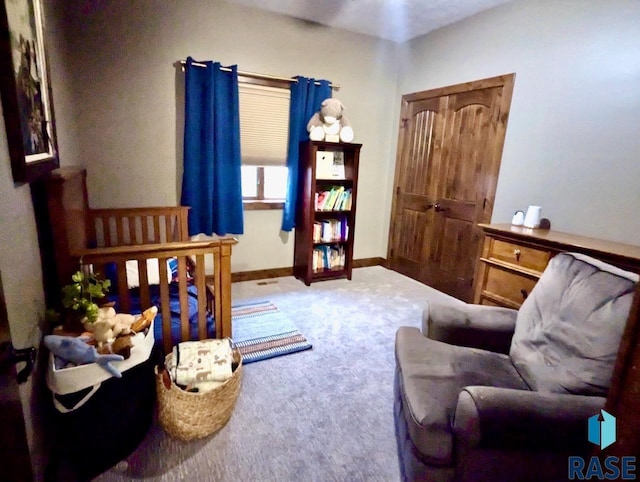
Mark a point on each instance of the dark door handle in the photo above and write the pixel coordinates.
(10, 356)
(440, 208)
(427, 206)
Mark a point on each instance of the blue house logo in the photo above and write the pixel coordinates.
(602, 429)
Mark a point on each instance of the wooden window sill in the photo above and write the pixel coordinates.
(261, 205)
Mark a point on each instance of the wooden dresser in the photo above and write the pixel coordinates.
(513, 258)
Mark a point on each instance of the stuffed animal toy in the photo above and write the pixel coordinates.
(77, 351)
(145, 319)
(329, 121)
(109, 325)
(122, 346)
(117, 328)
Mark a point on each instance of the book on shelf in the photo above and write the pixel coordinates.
(344, 201)
(347, 202)
(336, 199)
(330, 231)
(337, 171)
(330, 165)
(334, 194)
(324, 164)
(328, 258)
(320, 199)
(317, 232)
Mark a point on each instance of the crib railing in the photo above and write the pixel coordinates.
(131, 226)
(142, 234)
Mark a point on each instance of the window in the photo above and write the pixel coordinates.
(264, 133)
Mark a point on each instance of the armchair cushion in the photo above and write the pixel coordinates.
(476, 326)
(568, 330)
(430, 374)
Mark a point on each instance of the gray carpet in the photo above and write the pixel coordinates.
(320, 415)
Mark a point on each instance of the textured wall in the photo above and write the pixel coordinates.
(128, 98)
(19, 255)
(572, 143)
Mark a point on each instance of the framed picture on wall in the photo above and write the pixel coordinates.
(25, 87)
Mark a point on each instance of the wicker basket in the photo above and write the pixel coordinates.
(189, 416)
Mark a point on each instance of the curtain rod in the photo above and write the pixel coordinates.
(255, 75)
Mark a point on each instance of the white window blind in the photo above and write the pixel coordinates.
(264, 124)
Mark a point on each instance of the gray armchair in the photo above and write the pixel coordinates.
(487, 393)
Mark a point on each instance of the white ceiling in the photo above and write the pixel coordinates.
(397, 20)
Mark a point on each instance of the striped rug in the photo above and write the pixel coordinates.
(261, 331)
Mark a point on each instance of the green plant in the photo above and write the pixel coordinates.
(79, 297)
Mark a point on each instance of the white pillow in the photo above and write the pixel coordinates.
(153, 273)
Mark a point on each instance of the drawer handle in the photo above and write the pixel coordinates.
(516, 253)
(524, 293)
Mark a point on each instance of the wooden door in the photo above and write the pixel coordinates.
(416, 189)
(449, 152)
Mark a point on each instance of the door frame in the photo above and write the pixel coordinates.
(505, 81)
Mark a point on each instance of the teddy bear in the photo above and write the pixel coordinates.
(113, 332)
(329, 122)
(109, 325)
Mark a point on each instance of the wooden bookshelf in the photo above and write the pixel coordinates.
(326, 216)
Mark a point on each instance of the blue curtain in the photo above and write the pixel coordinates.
(211, 182)
(306, 97)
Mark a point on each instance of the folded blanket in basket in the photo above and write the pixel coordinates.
(195, 362)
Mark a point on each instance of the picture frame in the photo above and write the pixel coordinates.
(25, 86)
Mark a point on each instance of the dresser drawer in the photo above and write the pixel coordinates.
(507, 285)
(513, 258)
(518, 255)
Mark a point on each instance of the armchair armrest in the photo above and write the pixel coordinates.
(485, 327)
(510, 419)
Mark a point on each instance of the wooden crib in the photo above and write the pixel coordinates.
(109, 238)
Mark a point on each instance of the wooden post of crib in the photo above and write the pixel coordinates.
(225, 283)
